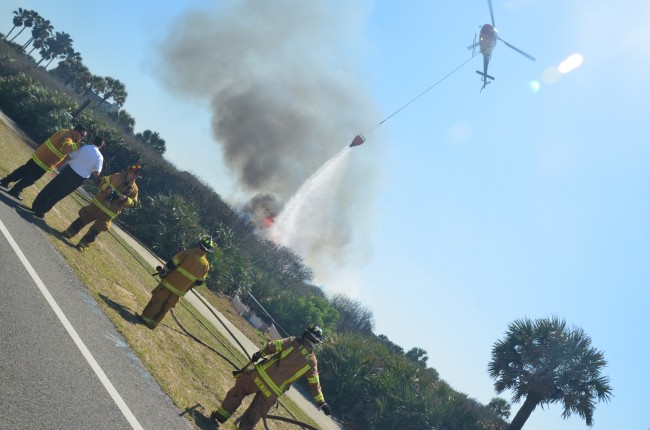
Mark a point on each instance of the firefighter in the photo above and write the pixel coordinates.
(116, 192)
(290, 359)
(46, 157)
(187, 269)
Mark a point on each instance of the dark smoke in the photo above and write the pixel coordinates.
(262, 209)
(284, 84)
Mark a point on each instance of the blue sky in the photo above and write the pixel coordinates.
(478, 207)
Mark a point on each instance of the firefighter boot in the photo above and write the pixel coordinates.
(73, 229)
(87, 240)
(151, 324)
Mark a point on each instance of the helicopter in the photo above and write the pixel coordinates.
(487, 41)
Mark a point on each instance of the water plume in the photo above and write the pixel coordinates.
(284, 82)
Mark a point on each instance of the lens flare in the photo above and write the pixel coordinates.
(534, 86)
(570, 64)
(460, 132)
(551, 75)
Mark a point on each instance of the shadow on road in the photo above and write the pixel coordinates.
(26, 213)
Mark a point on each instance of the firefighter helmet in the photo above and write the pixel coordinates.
(136, 169)
(314, 334)
(206, 244)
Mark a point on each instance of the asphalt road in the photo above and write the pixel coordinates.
(62, 363)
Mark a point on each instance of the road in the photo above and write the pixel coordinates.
(62, 363)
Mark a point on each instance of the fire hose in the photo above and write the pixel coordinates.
(237, 370)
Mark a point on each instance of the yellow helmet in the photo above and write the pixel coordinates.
(206, 244)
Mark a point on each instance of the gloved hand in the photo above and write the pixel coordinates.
(162, 271)
(256, 356)
(326, 408)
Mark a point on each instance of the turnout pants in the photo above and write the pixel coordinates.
(91, 213)
(162, 300)
(245, 385)
(88, 214)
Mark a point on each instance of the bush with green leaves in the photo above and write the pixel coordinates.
(371, 388)
(164, 223)
(32, 106)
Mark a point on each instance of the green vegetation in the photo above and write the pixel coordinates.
(369, 381)
(544, 362)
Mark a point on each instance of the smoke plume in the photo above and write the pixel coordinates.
(284, 83)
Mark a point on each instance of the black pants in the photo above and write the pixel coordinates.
(25, 176)
(63, 184)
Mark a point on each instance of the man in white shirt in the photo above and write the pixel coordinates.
(83, 163)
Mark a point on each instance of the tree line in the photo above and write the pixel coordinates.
(371, 383)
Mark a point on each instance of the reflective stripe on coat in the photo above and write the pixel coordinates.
(51, 152)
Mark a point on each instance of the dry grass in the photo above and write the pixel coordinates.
(195, 378)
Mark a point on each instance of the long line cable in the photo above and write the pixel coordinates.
(425, 91)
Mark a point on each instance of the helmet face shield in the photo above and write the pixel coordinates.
(314, 334)
(206, 244)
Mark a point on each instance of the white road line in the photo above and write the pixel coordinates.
(73, 333)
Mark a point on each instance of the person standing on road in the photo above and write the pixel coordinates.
(46, 157)
(185, 270)
(290, 358)
(83, 163)
(116, 192)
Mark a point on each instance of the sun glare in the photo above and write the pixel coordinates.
(571, 63)
(551, 75)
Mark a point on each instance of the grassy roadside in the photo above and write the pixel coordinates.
(186, 371)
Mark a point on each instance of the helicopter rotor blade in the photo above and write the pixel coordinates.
(530, 57)
(491, 14)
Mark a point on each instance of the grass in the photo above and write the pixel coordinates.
(195, 378)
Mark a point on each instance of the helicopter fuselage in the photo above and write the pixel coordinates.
(487, 41)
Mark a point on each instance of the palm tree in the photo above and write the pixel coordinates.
(72, 55)
(545, 362)
(96, 84)
(40, 44)
(500, 406)
(57, 46)
(418, 356)
(17, 20)
(153, 140)
(28, 18)
(124, 120)
(115, 90)
(42, 30)
(72, 71)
